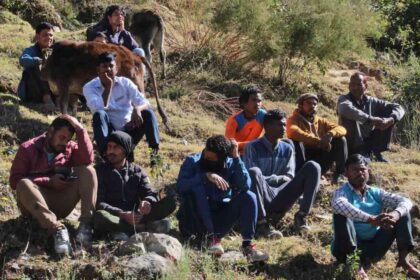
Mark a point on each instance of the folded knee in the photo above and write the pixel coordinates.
(23, 185)
(100, 115)
(312, 166)
(254, 172)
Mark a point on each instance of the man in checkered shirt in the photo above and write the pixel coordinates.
(361, 220)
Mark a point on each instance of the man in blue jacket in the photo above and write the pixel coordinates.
(220, 184)
(31, 87)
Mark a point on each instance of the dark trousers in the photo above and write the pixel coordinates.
(346, 240)
(378, 141)
(338, 154)
(102, 128)
(33, 88)
(105, 222)
(220, 217)
(242, 208)
(281, 198)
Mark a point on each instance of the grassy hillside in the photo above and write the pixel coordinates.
(192, 97)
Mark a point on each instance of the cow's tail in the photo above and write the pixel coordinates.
(161, 111)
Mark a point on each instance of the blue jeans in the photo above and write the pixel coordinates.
(220, 217)
(102, 128)
(346, 241)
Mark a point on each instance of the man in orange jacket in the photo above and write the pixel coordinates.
(323, 141)
(246, 125)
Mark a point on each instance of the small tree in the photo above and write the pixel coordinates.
(291, 33)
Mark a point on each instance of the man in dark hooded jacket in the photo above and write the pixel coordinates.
(126, 200)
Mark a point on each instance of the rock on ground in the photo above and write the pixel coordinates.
(149, 265)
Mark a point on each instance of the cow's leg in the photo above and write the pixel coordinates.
(63, 100)
(73, 104)
(158, 42)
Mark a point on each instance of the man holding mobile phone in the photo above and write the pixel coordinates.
(48, 199)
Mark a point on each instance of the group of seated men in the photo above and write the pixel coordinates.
(237, 177)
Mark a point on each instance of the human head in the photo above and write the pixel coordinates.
(100, 37)
(250, 99)
(217, 149)
(44, 35)
(59, 133)
(119, 148)
(115, 15)
(356, 170)
(307, 104)
(274, 123)
(358, 84)
(106, 64)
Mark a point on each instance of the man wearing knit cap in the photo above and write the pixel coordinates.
(126, 200)
(323, 141)
(117, 104)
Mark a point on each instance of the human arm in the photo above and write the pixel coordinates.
(139, 102)
(189, 176)
(29, 58)
(347, 110)
(240, 177)
(147, 195)
(82, 152)
(341, 205)
(298, 134)
(92, 91)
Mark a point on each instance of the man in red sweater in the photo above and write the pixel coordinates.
(51, 174)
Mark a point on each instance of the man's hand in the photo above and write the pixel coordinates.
(136, 119)
(130, 217)
(144, 207)
(389, 219)
(58, 182)
(386, 123)
(325, 143)
(106, 80)
(234, 152)
(73, 121)
(218, 181)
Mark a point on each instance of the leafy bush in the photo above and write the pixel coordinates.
(402, 26)
(35, 11)
(291, 33)
(405, 83)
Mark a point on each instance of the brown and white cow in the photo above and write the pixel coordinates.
(71, 64)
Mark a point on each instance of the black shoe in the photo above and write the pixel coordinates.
(379, 157)
(300, 223)
(266, 230)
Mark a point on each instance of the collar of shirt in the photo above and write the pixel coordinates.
(357, 192)
(269, 145)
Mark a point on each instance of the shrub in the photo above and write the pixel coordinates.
(291, 33)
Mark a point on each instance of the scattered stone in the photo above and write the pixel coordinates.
(232, 257)
(149, 265)
(161, 244)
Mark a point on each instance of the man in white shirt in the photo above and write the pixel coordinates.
(117, 104)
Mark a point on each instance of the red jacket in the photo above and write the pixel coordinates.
(31, 157)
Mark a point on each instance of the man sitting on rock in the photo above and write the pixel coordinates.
(368, 120)
(31, 88)
(126, 201)
(246, 125)
(362, 221)
(117, 104)
(51, 174)
(271, 166)
(323, 141)
(219, 184)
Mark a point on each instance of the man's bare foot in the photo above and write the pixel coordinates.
(361, 274)
(411, 270)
